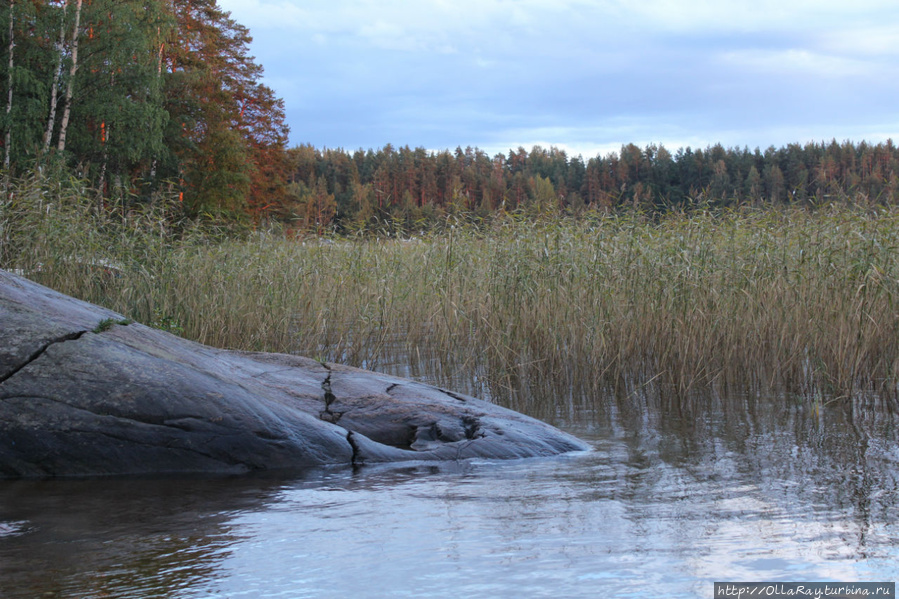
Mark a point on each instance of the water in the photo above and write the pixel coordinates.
(674, 496)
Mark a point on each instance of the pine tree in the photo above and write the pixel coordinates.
(24, 80)
(119, 117)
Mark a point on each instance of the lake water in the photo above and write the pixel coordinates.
(674, 496)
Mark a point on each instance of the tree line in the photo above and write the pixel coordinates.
(137, 97)
(141, 96)
(340, 188)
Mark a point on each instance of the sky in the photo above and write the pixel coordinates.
(586, 76)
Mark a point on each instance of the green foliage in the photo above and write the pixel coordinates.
(166, 323)
(164, 95)
(107, 323)
(545, 198)
(30, 78)
(118, 118)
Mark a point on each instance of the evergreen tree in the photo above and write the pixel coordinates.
(134, 93)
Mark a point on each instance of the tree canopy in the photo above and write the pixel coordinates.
(138, 96)
(416, 185)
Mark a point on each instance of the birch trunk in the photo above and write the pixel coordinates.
(51, 120)
(64, 125)
(8, 139)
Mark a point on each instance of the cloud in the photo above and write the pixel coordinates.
(420, 26)
(751, 15)
(437, 24)
(873, 41)
(578, 74)
(797, 61)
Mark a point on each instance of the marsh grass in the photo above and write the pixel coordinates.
(801, 301)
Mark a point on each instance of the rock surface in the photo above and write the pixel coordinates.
(84, 393)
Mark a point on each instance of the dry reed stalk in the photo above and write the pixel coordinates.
(802, 300)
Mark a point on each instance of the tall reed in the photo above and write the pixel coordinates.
(787, 298)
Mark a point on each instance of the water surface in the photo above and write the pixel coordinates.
(674, 496)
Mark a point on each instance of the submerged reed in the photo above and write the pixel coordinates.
(787, 298)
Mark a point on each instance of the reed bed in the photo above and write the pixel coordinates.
(797, 300)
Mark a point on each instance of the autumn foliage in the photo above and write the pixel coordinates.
(412, 188)
(143, 96)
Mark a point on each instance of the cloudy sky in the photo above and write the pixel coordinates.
(583, 75)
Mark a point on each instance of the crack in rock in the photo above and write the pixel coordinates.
(355, 460)
(39, 352)
(455, 396)
(473, 432)
(327, 415)
(472, 428)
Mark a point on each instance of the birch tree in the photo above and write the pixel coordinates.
(9, 82)
(57, 73)
(70, 86)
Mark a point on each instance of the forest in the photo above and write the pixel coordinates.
(141, 97)
(409, 186)
(138, 99)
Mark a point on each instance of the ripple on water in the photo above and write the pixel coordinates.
(11, 528)
(651, 511)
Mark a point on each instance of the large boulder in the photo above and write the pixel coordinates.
(84, 392)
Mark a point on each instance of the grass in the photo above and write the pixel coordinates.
(796, 300)
(107, 323)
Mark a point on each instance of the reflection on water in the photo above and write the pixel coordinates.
(676, 495)
(141, 538)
